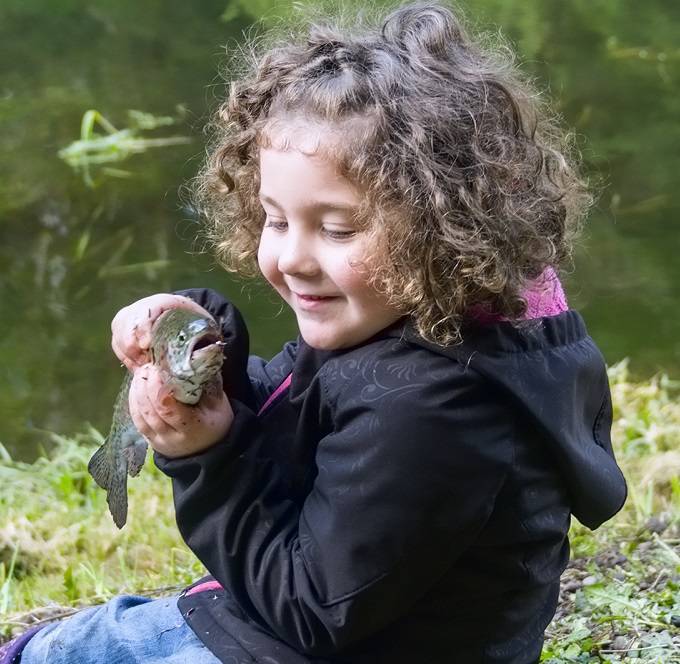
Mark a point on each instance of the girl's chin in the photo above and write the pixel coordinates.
(318, 337)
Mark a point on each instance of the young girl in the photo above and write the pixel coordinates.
(397, 484)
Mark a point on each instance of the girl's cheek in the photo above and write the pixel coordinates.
(266, 261)
(351, 274)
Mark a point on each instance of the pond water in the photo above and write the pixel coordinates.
(72, 255)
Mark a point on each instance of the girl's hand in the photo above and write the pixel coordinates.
(172, 428)
(131, 326)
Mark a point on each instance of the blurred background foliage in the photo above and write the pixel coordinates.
(73, 254)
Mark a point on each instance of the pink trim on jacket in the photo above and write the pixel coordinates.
(280, 389)
(544, 296)
(204, 587)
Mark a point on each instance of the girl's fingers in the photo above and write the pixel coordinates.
(155, 420)
(173, 428)
(137, 409)
(176, 415)
(129, 363)
(125, 343)
(141, 327)
(160, 396)
(131, 326)
(144, 410)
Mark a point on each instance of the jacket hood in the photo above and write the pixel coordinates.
(552, 369)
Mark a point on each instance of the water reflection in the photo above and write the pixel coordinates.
(72, 256)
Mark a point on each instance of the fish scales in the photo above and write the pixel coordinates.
(187, 347)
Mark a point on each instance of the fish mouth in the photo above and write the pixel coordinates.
(205, 343)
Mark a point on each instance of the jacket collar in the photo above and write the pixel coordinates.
(494, 338)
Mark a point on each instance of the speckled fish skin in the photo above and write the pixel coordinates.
(187, 347)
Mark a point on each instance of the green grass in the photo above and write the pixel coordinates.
(620, 598)
(59, 546)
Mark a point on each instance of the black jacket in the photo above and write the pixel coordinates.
(402, 502)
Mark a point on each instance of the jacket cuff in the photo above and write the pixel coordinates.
(217, 455)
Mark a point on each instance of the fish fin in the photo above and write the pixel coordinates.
(108, 477)
(135, 455)
(99, 467)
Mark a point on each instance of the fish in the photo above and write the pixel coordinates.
(188, 348)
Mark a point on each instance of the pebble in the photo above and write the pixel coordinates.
(620, 643)
(589, 581)
(656, 525)
(570, 586)
(610, 559)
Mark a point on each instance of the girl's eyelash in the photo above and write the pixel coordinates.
(280, 225)
(339, 235)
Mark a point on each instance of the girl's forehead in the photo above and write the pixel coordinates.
(306, 136)
(335, 138)
(291, 176)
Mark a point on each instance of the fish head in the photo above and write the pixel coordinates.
(188, 346)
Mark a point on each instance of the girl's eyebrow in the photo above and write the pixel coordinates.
(315, 205)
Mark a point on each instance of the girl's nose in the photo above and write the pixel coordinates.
(297, 256)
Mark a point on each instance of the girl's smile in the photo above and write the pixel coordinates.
(312, 253)
(311, 302)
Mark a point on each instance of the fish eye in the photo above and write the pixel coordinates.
(181, 337)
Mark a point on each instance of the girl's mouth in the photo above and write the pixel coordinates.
(313, 301)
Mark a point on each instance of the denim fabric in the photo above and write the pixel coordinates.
(125, 630)
(9, 652)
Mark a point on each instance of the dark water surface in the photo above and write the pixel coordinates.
(72, 255)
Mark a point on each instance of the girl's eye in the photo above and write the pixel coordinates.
(281, 225)
(339, 235)
(277, 225)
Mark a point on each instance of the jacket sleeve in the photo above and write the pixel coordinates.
(401, 490)
(264, 376)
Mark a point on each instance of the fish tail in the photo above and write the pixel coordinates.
(116, 497)
(109, 477)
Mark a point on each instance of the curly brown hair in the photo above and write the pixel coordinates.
(471, 187)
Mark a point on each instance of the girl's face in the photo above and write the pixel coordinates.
(311, 252)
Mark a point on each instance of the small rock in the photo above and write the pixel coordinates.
(675, 621)
(589, 581)
(620, 643)
(610, 559)
(656, 525)
(571, 586)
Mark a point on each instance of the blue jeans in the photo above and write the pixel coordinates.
(125, 630)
